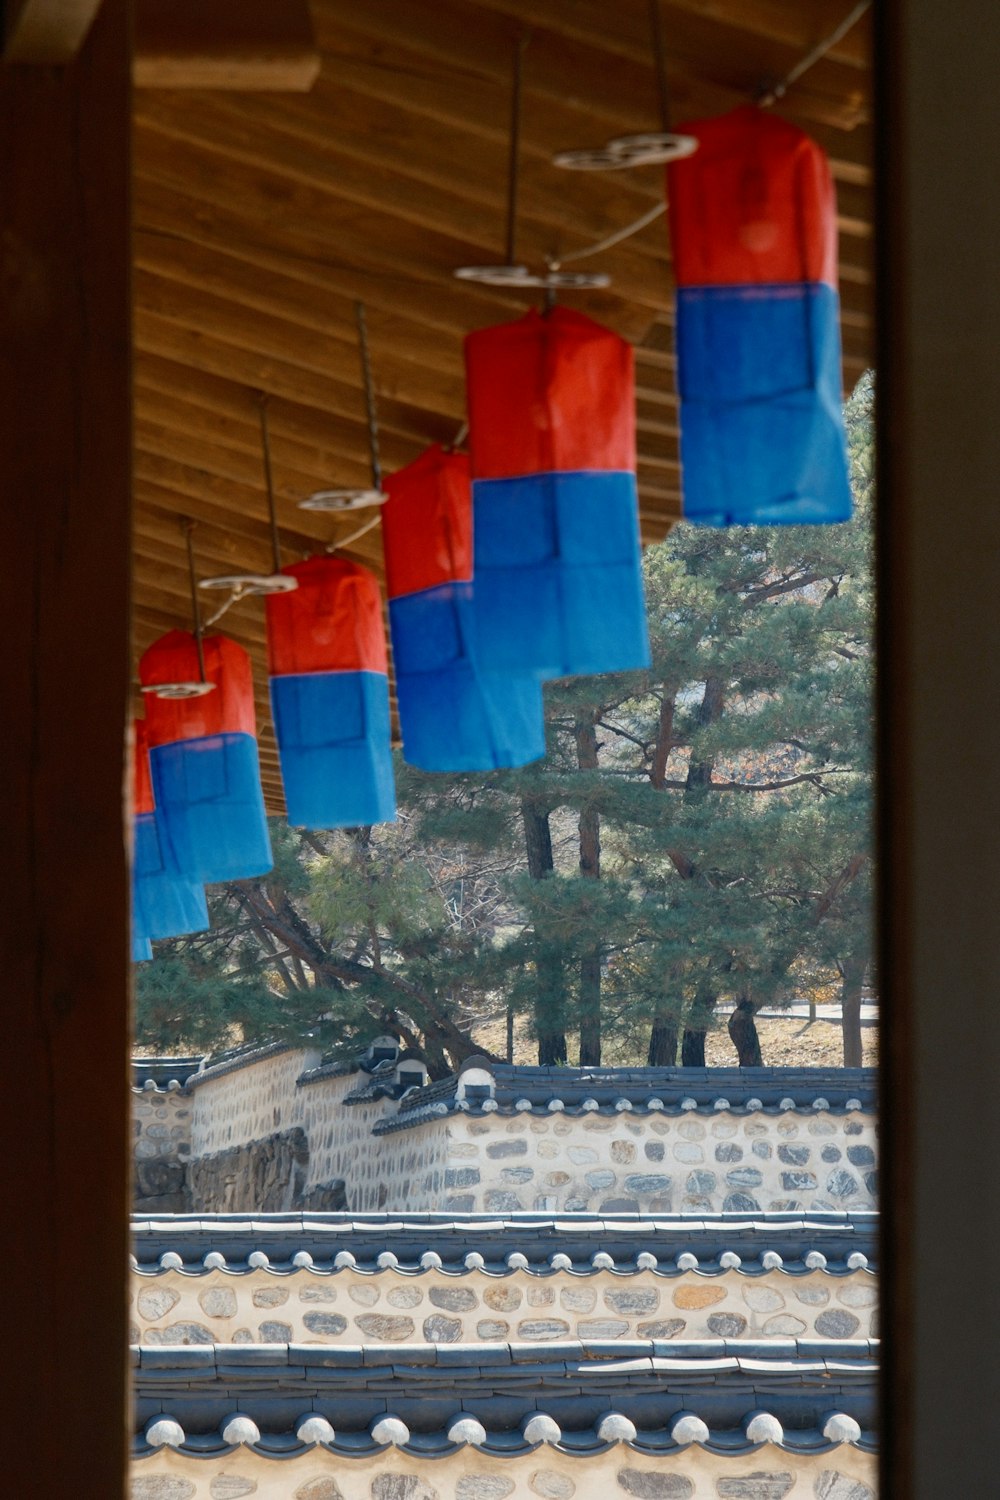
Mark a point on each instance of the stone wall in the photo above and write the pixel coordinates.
(626, 1162)
(249, 1101)
(352, 1307)
(656, 1163)
(546, 1473)
(161, 1122)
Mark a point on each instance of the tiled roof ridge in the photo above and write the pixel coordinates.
(840, 1242)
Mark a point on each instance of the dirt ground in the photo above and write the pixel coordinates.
(784, 1044)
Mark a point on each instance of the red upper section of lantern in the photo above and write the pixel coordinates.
(549, 393)
(142, 793)
(754, 204)
(331, 623)
(229, 709)
(427, 523)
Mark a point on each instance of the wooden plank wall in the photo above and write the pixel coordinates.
(64, 474)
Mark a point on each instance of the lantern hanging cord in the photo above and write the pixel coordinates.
(187, 526)
(514, 163)
(265, 439)
(772, 96)
(660, 60)
(779, 90)
(370, 412)
(353, 536)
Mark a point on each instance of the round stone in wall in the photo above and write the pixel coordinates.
(541, 1296)
(551, 1484)
(632, 1301)
(364, 1295)
(538, 1330)
(231, 1487)
(762, 1298)
(837, 1324)
(650, 1484)
(270, 1296)
(762, 1484)
(404, 1296)
(402, 1487)
(453, 1298)
(489, 1329)
(661, 1328)
(441, 1330)
(832, 1485)
(161, 1487)
(483, 1487)
(503, 1298)
(857, 1294)
(319, 1489)
(578, 1299)
(324, 1324)
(180, 1333)
(841, 1184)
(274, 1332)
(784, 1324)
(601, 1328)
(727, 1325)
(696, 1295)
(622, 1151)
(218, 1302)
(156, 1301)
(812, 1296)
(317, 1293)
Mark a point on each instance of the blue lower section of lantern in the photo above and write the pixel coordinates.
(453, 715)
(762, 427)
(142, 949)
(164, 903)
(210, 807)
(558, 574)
(336, 750)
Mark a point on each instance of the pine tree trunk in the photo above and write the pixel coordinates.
(693, 1047)
(590, 868)
(662, 1039)
(743, 1032)
(699, 1018)
(850, 1012)
(550, 993)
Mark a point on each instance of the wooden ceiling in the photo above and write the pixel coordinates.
(260, 217)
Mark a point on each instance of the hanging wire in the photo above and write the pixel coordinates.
(649, 217)
(341, 542)
(370, 411)
(514, 154)
(660, 60)
(265, 440)
(779, 90)
(187, 526)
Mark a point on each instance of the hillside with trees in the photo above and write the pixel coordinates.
(697, 840)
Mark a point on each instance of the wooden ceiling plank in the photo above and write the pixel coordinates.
(225, 44)
(476, 231)
(609, 78)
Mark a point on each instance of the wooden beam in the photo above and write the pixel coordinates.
(251, 45)
(64, 475)
(46, 31)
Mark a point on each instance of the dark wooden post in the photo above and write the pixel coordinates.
(939, 663)
(64, 501)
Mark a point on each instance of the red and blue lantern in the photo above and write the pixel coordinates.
(558, 579)
(754, 231)
(454, 715)
(203, 759)
(330, 696)
(165, 903)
